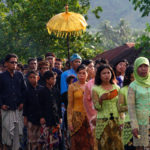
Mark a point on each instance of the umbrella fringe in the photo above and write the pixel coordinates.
(65, 33)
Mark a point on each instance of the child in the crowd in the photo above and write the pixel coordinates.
(50, 104)
(31, 110)
(70, 79)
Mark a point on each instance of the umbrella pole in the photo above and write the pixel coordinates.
(68, 46)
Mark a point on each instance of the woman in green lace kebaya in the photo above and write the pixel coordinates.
(123, 110)
(139, 103)
(105, 96)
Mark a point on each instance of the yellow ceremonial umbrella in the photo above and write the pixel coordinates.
(67, 24)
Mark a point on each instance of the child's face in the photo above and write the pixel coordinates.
(52, 81)
(33, 79)
(71, 81)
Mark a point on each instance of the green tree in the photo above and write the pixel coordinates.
(144, 40)
(23, 28)
(142, 5)
(112, 37)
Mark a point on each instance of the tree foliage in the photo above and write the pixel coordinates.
(142, 5)
(112, 37)
(144, 42)
(23, 28)
(96, 11)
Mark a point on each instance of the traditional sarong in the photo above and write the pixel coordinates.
(33, 135)
(77, 121)
(111, 137)
(127, 133)
(95, 141)
(82, 139)
(148, 147)
(50, 137)
(12, 128)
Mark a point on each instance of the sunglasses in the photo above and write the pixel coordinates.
(45, 68)
(13, 62)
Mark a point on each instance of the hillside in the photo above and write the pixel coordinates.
(113, 10)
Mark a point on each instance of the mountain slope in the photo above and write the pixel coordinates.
(113, 10)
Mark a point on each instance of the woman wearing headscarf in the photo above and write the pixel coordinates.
(139, 103)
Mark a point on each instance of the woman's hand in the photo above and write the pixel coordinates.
(108, 96)
(121, 126)
(93, 121)
(70, 127)
(103, 97)
(135, 133)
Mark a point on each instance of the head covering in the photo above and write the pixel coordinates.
(49, 54)
(143, 81)
(75, 56)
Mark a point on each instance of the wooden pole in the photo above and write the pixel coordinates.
(68, 46)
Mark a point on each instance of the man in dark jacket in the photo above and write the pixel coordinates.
(50, 103)
(12, 88)
(31, 110)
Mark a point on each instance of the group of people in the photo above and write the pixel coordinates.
(85, 105)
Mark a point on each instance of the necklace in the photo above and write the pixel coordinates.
(107, 87)
(82, 86)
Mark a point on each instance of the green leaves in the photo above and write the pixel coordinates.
(96, 11)
(114, 36)
(23, 29)
(143, 42)
(142, 5)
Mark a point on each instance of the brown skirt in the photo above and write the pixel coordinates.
(111, 137)
(83, 139)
